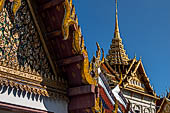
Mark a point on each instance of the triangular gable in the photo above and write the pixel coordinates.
(24, 58)
(138, 79)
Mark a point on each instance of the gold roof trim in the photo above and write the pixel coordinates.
(23, 87)
(139, 62)
(31, 89)
(30, 81)
(133, 61)
(70, 19)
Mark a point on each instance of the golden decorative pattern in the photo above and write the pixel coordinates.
(29, 88)
(94, 65)
(16, 5)
(98, 107)
(2, 2)
(117, 54)
(22, 57)
(116, 106)
(78, 44)
(20, 44)
(68, 18)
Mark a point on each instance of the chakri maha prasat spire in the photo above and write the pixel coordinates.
(117, 54)
(116, 33)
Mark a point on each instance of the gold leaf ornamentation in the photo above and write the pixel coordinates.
(16, 5)
(116, 106)
(94, 65)
(98, 106)
(68, 20)
(77, 40)
(121, 79)
(2, 2)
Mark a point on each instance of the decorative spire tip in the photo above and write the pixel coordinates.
(116, 33)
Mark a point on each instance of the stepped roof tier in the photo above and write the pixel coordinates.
(117, 54)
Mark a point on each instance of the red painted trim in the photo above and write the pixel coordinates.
(106, 99)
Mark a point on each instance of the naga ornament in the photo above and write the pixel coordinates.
(69, 18)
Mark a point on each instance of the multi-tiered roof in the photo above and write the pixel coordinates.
(117, 63)
(117, 54)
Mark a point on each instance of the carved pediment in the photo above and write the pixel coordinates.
(138, 80)
(23, 60)
(135, 81)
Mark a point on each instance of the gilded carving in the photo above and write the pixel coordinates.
(68, 18)
(94, 65)
(16, 5)
(78, 44)
(23, 62)
(98, 106)
(121, 79)
(77, 40)
(6, 82)
(2, 2)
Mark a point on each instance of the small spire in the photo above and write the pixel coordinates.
(135, 56)
(140, 58)
(117, 54)
(116, 33)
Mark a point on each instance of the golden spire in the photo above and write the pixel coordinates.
(116, 33)
(117, 54)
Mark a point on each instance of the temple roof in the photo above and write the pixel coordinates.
(117, 54)
(134, 78)
(163, 105)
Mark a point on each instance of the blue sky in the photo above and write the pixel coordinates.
(144, 27)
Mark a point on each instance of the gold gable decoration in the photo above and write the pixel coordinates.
(16, 5)
(137, 79)
(23, 61)
(70, 19)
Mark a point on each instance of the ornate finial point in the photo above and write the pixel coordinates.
(117, 54)
(140, 57)
(116, 32)
(135, 56)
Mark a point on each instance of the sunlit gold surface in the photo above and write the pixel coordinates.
(16, 5)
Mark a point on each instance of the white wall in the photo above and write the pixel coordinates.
(17, 97)
(145, 104)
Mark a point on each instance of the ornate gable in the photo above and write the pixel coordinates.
(137, 78)
(24, 63)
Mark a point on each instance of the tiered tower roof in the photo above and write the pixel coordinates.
(117, 54)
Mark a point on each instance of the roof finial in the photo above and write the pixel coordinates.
(116, 33)
(135, 56)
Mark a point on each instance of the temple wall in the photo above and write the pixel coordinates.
(18, 97)
(143, 104)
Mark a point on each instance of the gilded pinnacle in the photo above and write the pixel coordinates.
(117, 54)
(116, 33)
